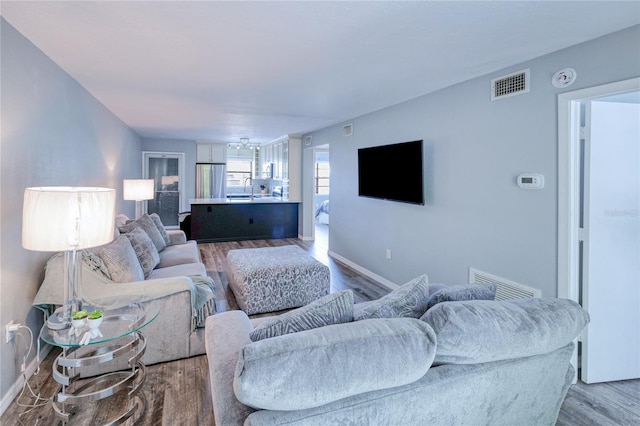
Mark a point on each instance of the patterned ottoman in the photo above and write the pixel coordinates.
(274, 278)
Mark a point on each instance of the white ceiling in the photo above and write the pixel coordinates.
(224, 70)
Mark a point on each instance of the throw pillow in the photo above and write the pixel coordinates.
(147, 225)
(335, 308)
(121, 261)
(145, 249)
(410, 300)
(456, 293)
(156, 221)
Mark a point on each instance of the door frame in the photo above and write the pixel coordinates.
(568, 256)
(181, 173)
(569, 180)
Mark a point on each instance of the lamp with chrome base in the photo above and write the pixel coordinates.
(61, 218)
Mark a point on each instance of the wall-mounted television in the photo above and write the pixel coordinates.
(392, 172)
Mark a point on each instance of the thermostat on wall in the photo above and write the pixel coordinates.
(531, 181)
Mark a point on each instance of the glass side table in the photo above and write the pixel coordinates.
(119, 337)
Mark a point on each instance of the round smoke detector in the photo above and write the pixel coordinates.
(564, 78)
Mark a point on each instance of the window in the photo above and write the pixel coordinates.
(322, 178)
(238, 174)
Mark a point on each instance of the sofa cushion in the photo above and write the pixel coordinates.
(314, 367)
(146, 224)
(186, 270)
(456, 293)
(410, 300)
(145, 249)
(335, 308)
(160, 226)
(121, 261)
(476, 331)
(179, 254)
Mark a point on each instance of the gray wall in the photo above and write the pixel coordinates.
(53, 133)
(475, 215)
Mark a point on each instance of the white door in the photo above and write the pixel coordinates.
(611, 242)
(167, 170)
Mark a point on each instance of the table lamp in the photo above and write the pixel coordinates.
(138, 190)
(68, 219)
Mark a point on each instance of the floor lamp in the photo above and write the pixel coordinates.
(138, 190)
(68, 219)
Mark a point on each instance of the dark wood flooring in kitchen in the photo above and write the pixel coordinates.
(178, 393)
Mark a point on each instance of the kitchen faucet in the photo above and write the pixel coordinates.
(245, 185)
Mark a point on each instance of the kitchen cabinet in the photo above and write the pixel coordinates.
(211, 153)
(243, 221)
(286, 155)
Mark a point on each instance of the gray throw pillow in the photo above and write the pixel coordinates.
(147, 225)
(156, 221)
(335, 308)
(121, 261)
(410, 300)
(456, 293)
(145, 249)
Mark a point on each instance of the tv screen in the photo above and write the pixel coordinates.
(392, 172)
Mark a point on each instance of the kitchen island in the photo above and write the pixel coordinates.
(243, 218)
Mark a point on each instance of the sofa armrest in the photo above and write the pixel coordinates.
(176, 236)
(225, 335)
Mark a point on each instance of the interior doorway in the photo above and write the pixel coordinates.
(598, 224)
(321, 191)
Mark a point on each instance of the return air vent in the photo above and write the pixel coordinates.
(513, 84)
(347, 130)
(505, 289)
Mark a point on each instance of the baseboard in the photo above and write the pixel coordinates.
(385, 282)
(17, 386)
(305, 238)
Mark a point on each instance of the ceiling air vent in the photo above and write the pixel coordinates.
(512, 84)
(347, 130)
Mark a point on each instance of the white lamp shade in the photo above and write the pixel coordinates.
(67, 218)
(138, 189)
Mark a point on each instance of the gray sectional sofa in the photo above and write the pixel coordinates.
(175, 283)
(418, 359)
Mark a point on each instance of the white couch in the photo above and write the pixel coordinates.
(178, 287)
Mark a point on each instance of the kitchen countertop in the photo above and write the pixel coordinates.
(238, 200)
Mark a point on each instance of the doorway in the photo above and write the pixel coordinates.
(321, 189)
(598, 224)
(167, 171)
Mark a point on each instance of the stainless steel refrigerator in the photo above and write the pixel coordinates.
(211, 180)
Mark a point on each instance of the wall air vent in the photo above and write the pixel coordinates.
(505, 289)
(347, 130)
(512, 84)
(307, 140)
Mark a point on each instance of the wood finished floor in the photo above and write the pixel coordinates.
(178, 392)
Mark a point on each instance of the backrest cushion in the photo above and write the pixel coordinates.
(146, 224)
(121, 261)
(476, 331)
(158, 222)
(410, 301)
(314, 367)
(456, 293)
(146, 251)
(334, 308)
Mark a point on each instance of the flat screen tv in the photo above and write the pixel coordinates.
(392, 172)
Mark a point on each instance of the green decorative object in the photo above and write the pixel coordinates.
(78, 315)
